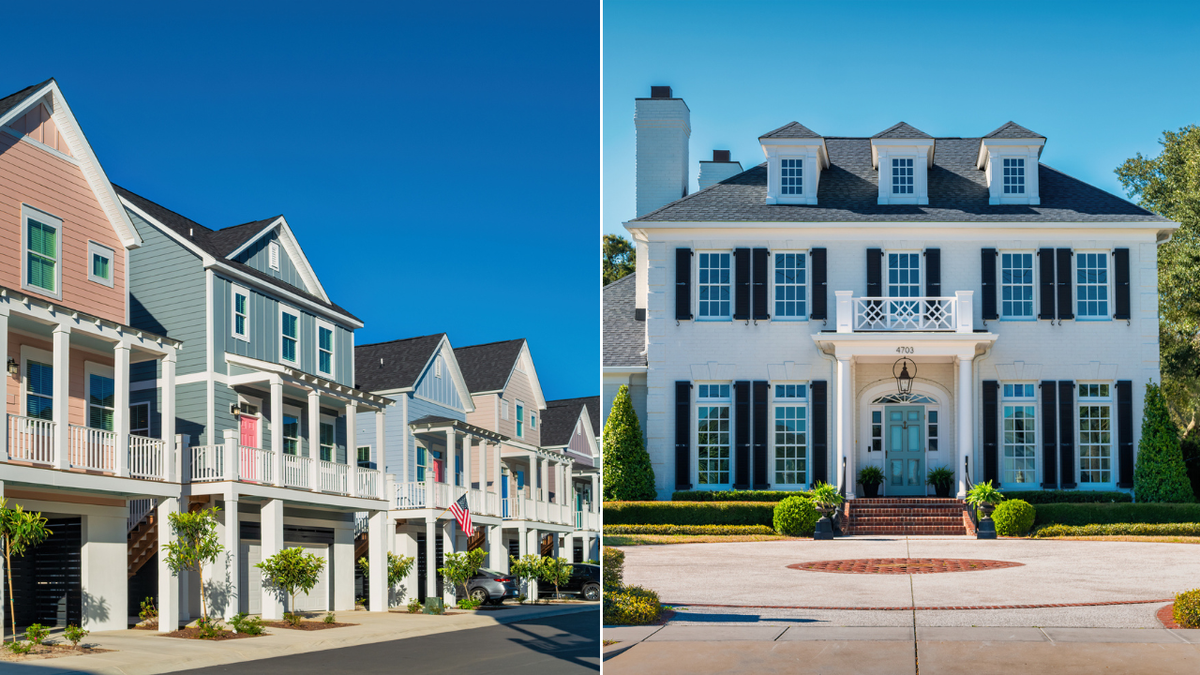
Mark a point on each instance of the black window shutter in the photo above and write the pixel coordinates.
(1121, 269)
(820, 431)
(987, 272)
(1125, 433)
(1049, 429)
(1066, 434)
(874, 273)
(1046, 283)
(741, 435)
(991, 431)
(683, 284)
(1063, 256)
(761, 389)
(933, 272)
(683, 435)
(820, 307)
(741, 284)
(761, 305)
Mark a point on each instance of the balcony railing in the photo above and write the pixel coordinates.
(256, 465)
(334, 477)
(369, 483)
(147, 458)
(30, 439)
(90, 449)
(206, 462)
(95, 450)
(296, 471)
(917, 314)
(510, 508)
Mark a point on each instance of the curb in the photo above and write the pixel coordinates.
(927, 608)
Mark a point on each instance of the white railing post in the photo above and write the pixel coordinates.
(173, 462)
(61, 388)
(121, 407)
(174, 469)
(352, 449)
(314, 439)
(845, 311)
(4, 364)
(233, 453)
(964, 311)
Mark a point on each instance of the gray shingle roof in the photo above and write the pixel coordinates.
(395, 364)
(624, 337)
(486, 367)
(849, 190)
(791, 130)
(558, 419)
(902, 130)
(1013, 130)
(8, 102)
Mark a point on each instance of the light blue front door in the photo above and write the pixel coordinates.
(904, 436)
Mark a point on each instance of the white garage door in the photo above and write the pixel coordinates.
(250, 580)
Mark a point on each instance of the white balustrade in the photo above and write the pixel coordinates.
(138, 508)
(90, 449)
(206, 462)
(904, 314)
(256, 465)
(334, 477)
(369, 483)
(296, 471)
(410, 495)
(147, 458)
(30, 439)
(510, 508)
(476, 501)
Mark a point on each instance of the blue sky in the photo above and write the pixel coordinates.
(417, 149)
(1101, 80)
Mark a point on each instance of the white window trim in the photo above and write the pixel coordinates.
(370, 452)
(1108, 267)
(1037, 430)
(234, 291)
(695, 433)
(772, 402)
(94, 249)
(885, 291)
(533, 420)
(273, 255)
(262, 420)
(149, 423)
(803, 177)
(321, 323)
(1000, 284)
(518, 423)
(28, 212)
(807, 285)
(283, 309)
(1024, 179)
(103, 370)
(1111, 402)
(891, 166)
(696, 285)
(41, 356)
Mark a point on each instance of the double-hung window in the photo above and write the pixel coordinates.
(520, 419)
(101, 401)
(364, 456)
(291, 434)
(791, 176)
(791, 434)
(713, 403)
(714, 285)
(289, 336)
(422, 463)
(1095, 433)
(1091, 284)
(790, 280)
(1014, 176)
(324, 348)
(100, 259)
(42, 236)
(240, 313)
(1020, 434)
(1016, 285)
(39, 390)
(326, 438)
(139, 419)
(904, 275)
(902, 175)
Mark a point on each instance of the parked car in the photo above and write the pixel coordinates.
(585, 582)
(490, 586)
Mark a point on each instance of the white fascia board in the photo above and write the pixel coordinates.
(981, 160)
(533, 377)
(616, 370)
(837, 229)
(775, 145)
(172, 234)
(292, 247)
(913, 143)
(460, 383)
(89, 164)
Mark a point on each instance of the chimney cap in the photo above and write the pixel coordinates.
(720, 156)
(660, 92)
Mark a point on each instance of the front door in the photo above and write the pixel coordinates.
(249, 437)
(905, 438)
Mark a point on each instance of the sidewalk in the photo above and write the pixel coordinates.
(145, 652)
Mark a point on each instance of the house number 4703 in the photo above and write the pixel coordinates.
(904, 350)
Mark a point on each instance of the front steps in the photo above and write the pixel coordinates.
(895, 516)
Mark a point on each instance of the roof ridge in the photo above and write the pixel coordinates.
(568, 400)
(388, 342)
(249, 222)
(488, 344)
(164, 208)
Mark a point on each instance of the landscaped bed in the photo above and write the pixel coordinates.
(50, 652)
(653, 539)
(193, 633)
(306, 625)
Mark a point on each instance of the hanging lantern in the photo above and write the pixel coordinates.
(904, 371)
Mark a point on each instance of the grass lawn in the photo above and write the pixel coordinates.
(1126, 537)
(650, 539)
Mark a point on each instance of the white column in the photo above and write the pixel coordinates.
(497, 475)
(534, 547)
(377, 559)
(406, 445)
(545, 471)
(844, 301)
(483, 468)
(314, 440)
(230, 535)
(4, 378)
(380, 457)
(62, 400)
(845, 424)
(966, 432)
(352, 454)
(447, 530)
(277, 431)
(168, 583)
(451, 459)
(173, 461)
(431, 534)
(121, 407)
(468, 453)
(272, 543)
(232, 450)
(596, 498)
(341, 571)
(497, 552)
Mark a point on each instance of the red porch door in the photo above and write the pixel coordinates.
(249, 432)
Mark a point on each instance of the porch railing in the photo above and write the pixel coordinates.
(147, 458)
(296, 471)
(30, 439)
(942, 314)
(206, 462)
(369, 483)
(334, 477)
(255, 465)
(510, 508)
(90, 449)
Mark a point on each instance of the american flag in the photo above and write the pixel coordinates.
(462, 514)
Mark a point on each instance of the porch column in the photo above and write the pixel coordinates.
(497, 476)
(342, 569)
(380, 457)
(405, 444)
(468, 452)
(121, 407)
(314, 440)
(966, 434)
(272, 543)
(533, 547)
(62, 401)
(232, 454)
(545, 481)
(483, 474)
(451, 459)
(229, 578)
(377, 558)
(276, 432)
(497, 553)
(845, 426)
(449, 595)
(173, 460)
(352, 454)
(168, 583)
(431, 534)
(4, 391)
(595, 501)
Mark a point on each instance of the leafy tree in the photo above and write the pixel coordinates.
(1160, 475)
(398, 567)
(195, 544)
(628, 475)
(460, 567)
(620, 258)
(292, 571)
(556, 572)
(527, 567)
(19, 530)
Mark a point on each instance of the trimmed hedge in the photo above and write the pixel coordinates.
(796, 516)
(631, 606)
(1069, 497)
(1013, 518)
(613, 569)
(688, 529)
(735, 495)
(689, 513)
(1121, 529)
(1099, 514)
(1186, 610)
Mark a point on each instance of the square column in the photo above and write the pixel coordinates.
(497, 553)
(468, 454)
(380, 457)
(431, 534)
(352, 456)
(845, 427)
(272, 543)
(447, 532)
(377, 558)
(4, 390)
(277, 432)
(451, 460)
(173, 466)
(168, 583)
(966, 432)
(227, 570)
(121, 408)
(497, 476)
(483, 468)
(341, 569)
(596, 500)
(534, 547)
(314, 440)
(544, 497)
(61, 387)
(404, 543)
(232, 452)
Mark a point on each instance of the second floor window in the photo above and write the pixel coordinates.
(324, 349)
(902, 176)
(790, 278)
(520, 420)
(43, 247)
(904, 275)
(100, 265)
(39, 390)
(241, 313)
(1091, 283)
(791, 176)
(1014, 176)
(1016, 285)
(364, 456)
(532, 420)
(290, 336)
(326, 440)
(101, 400)
(139, 419)
(714, 286)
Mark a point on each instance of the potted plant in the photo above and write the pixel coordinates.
(985, 497)
(941, 479)
(870, 477)
(825, 498)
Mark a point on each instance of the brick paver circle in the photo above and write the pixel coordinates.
(902, 565)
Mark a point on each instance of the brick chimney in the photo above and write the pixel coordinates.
(720, 168)
(664, 126)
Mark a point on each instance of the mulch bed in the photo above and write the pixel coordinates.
(902, 565)
(1166, 616)
(306, 625)
(193, 633)
(50, 652)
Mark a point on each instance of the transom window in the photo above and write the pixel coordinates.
(326, 439)
(39, 390)
(1091, 283)
(324, 348)
(139, 419)
(241, 313)
(43, 249)
(1014, 176)
(791, 434)
(1095, 433)
(291, 434)
(902, 176)
(791, 180)
(904, 398)
(904, 275)
(100, 264)
(1020, 434)
(101, 399)
(790, 278)
(1016, 285)
(714, 286)
(290, 335)
(713, 434)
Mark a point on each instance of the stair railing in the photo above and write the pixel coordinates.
(138, 508)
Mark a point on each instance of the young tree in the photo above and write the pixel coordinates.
(195, 544)
(292, 571)
(620, 258)
(19, 530)
(398, 567)
(556, 572)
(628, 475)
(460, 567)
(1160, 475)
(528, 568)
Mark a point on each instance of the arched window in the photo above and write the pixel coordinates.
(904, 398)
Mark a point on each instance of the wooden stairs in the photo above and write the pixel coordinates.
(904, 516)
(477, 539)
(143, 543)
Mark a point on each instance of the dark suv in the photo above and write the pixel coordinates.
(585, 582)
(490, 586)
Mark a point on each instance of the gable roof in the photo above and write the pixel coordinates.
(397, 364)
(902, 130)
(486, 367)
(559, 420)
(624, 337)
(791, 130)
(8, 102)
(1013, 130)
(849, 192)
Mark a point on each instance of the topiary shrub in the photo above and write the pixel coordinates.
(613, 567)
(796, 517)
(1120, 529)
(719, 530)
(631, 606)
(1186, 611)
(1160, 475)
(627, 471)
(1013, 518)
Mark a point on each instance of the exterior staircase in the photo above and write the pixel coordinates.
(477, 539)
(143, 542)
(893, 516)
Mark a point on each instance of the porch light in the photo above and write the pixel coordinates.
(13, 368)
(904, 379)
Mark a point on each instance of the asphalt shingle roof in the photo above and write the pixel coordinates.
(624, 336)
(902, 130)
(486, 367)
(558, 419)
(1013, 130)
(11, 100)
(395, 364)
(791, 130)
(849, 191)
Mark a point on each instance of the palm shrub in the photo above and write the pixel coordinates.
(1013, 518)
(796, 517)
(193, 545)
(628, 475)
(292, 571)
(458, 568)
(19, 530)
(1160, 475)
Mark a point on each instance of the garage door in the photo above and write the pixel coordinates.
(318, 599)
(250, 580)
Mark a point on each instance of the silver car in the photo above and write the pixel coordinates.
(490, 586)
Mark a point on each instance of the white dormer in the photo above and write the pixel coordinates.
(902, 155)
(1009, 158)
(795, 158)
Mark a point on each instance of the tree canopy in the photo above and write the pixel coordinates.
(620, 258)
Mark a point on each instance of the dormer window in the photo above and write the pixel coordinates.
(791, 180)
(902, 176)
(1014, 176)
(902, 155)
(795, 157)
(1009, 159)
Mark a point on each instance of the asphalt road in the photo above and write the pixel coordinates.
(560, 645)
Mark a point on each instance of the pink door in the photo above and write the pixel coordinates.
(439, 470)
(246, 466)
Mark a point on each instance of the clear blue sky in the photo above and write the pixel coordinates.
(419, 150)
(1101, 80)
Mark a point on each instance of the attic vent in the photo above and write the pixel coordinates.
(437, 368)
(273, 253)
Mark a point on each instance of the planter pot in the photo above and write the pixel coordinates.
(942, 491)
(870, 491)
(987, 527)
(824, 528)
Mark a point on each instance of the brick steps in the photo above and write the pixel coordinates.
(904, 516)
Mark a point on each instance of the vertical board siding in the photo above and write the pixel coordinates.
(258, 256)
(439, 389)
(166, 296)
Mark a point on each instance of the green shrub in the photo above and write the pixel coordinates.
(1013, 518)
(468, 603)
(1099, 514)
(148, 610)
(688, 529)
(689, 513)
(795, 517)
(414, 606)
(330, 618)
(613, 569)
(37, 633)
(628, 473)
(74, 634)
(209, 627)
(1120, 529)
(242, 623)
(1160, 475)
(1069, 496)
(734, 495)
(1186, 610)
(19, 647)
(631, 606)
